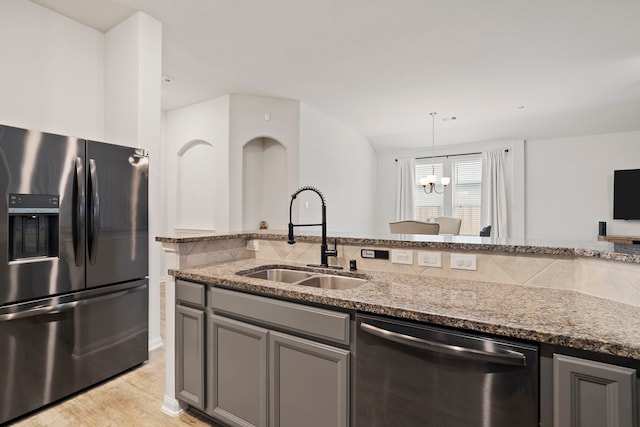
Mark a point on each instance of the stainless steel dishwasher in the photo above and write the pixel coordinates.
(410, 374)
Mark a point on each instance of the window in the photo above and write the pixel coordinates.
(430, 205)
(466, 186)
(461, 198)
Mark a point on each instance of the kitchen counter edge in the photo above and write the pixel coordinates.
(551, 316)
(600, 250)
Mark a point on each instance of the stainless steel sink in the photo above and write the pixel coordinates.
(332, 282)
(307, 278)
(280, 275)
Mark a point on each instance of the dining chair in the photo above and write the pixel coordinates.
(414, 227)
(449, 225)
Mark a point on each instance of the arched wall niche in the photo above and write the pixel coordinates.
(195, 186)
(264, 184)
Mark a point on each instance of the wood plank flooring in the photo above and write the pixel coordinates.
(131, 399)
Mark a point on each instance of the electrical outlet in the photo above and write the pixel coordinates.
(463, 262)
(374, 253)
(253, 245)
(401, 256)
(430, 259)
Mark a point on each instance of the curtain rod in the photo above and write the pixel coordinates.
(506, 150)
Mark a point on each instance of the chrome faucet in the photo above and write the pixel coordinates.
(325, 252)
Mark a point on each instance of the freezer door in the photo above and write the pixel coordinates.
(117, 214)
(53, 347)
(41, 214)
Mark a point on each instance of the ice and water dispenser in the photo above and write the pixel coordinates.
(33, 226)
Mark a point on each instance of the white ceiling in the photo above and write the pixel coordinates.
(380, 66)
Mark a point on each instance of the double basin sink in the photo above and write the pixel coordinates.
(307, 278)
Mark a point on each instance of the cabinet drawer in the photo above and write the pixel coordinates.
(311, 321)
(190, 292)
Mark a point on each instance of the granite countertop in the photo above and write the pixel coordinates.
(595, 249)
(551, 316)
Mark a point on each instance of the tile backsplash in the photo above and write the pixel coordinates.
(613, 280)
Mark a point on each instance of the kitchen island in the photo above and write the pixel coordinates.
(570, 299)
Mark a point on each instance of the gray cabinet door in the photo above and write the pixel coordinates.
(309, 383)
(592, 394)
(237, 358)
(190, 356)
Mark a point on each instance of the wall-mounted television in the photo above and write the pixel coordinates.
(626, 194)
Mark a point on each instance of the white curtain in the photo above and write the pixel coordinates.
(494, 193)
(405, 182)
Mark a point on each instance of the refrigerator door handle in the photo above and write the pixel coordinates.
(110, 295)
(78, 212)
(94, 212)
(38, 311)
(65, 306)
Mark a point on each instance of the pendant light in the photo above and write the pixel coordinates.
(430, 180)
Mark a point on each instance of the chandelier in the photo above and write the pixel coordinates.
(430, 180)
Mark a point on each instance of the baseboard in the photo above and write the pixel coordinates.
(171, 406)
(155, 343)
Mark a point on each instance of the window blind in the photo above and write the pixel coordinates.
(464, 192)
(427, 205)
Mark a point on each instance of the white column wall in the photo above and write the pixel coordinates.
(133, 69)
(51, 77)
(342, 164)
(569, 185)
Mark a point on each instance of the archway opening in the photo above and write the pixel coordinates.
(264, 184)
(195, 186)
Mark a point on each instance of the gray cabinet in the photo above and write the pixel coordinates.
(190, 356)
(309, 383)
(190, 343)
(237, 358)
(234, 365)
(592, 394)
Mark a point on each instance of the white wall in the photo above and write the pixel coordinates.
(205, 122)
(328, 153)
(342, 165)
(51, 72)
(569, 185)
(515, 177)
(246, 122)
(560, 187)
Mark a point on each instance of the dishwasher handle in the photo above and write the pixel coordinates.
(504, 357)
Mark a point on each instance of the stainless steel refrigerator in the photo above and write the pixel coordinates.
(73, 265)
